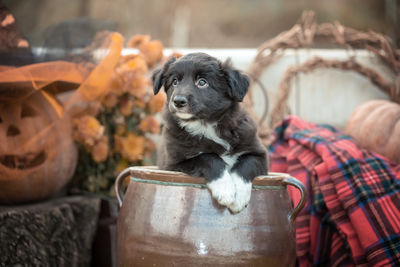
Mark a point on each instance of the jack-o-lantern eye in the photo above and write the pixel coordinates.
(13, 130)
(28, 111)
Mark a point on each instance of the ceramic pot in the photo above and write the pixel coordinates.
(170, 219)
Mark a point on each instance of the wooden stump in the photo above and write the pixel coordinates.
(59, 232)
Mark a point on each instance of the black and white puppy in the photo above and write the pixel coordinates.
(206, 131)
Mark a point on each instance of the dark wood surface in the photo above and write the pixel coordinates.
(57, 232)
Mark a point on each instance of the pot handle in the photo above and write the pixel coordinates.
(299, 185)
(119, 187)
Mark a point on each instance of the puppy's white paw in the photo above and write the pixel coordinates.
(223, 189)
(243, 193)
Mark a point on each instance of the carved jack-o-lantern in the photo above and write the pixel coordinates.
(37, 152)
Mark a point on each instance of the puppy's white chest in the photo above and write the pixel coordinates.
(230, 160)
(206, 130)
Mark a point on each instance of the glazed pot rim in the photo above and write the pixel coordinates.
(151, 174)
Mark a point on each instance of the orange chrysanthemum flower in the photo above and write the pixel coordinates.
(87, 130)
(140, 103)
(116, 85)
(126, 106)
(152, 51)
(120, 129)
(156, 102)
(138, 40)
(138, 86)
(150, 124)
(110, 100)
(131, 147)
(136, 63)
(100, 150)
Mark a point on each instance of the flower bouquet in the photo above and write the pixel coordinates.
(120, 127)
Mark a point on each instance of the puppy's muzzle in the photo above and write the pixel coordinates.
(180, 101)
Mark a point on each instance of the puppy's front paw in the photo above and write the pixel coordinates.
(243, 194)
(223, 189)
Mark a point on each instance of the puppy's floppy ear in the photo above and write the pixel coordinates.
(238, 82)
(158, 77)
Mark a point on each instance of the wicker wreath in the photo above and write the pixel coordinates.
(302, 35)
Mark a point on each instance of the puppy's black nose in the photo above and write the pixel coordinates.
(180, 101)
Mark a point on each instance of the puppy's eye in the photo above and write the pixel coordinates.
(175, 82)
(202, 83)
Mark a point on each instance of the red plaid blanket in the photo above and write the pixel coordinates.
(352, 215)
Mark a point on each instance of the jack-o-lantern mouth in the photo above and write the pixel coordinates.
(21, 162)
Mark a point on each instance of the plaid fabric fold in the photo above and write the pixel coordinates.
(352, 215)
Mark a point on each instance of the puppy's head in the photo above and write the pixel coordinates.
(199, 86)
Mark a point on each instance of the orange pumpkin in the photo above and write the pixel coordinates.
(375, 125)
(37, 152)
